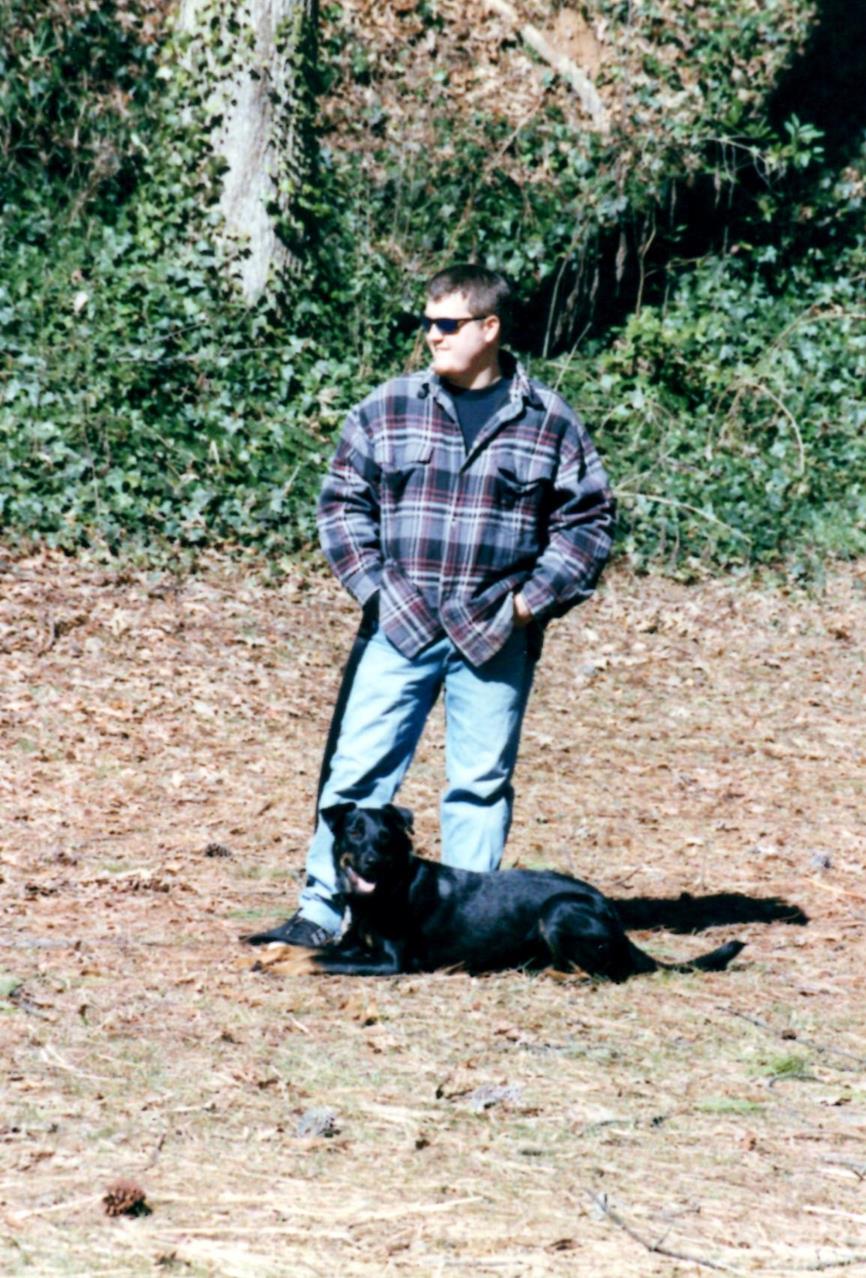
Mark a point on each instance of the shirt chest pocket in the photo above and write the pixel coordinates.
(514, 492)
(407, 469)
(522, 477)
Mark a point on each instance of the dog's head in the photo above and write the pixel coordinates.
(371, 845)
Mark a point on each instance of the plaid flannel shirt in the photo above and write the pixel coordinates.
(447, 537)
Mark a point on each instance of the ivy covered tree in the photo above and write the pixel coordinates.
(250, 70)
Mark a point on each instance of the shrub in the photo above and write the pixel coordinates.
(733, 418)
(142, 405)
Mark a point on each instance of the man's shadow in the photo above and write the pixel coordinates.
(687, 913)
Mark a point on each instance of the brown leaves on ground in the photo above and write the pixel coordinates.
(707, 739)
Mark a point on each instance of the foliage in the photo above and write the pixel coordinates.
(141, 404)
(154, 408)
(517, 177)
(75, 81)
(734, 418)
(140, 401)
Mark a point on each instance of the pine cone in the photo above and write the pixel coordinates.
(125, 1198)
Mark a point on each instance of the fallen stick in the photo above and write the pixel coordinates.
(570, 71)
(657, 1248)
(859, 1062)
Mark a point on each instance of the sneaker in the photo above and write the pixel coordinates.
(295, 931)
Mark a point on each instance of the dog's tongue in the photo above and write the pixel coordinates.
(359, 885)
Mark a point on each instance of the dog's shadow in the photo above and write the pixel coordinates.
(687, 913)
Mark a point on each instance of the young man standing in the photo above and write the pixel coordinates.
(465, 507)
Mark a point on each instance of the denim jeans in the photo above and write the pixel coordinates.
(387, 708)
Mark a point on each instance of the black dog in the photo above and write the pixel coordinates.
(413, 915)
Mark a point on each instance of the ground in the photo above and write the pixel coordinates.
(160, 740)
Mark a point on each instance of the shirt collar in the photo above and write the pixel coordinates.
(521, 384)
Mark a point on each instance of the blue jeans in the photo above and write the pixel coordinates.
(388, 705)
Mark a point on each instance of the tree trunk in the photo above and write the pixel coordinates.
(258, 57)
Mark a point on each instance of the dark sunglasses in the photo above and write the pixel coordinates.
(448, 326)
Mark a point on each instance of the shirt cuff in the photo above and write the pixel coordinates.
(538, 597)
(364, 584)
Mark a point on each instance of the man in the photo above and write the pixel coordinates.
(465, 507)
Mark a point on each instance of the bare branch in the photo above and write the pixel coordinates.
(792, 421)
(684, 505)
(657, 1249)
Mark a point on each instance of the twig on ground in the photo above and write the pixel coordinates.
(52, 1057)
(838, 891)
(397, 1212)
(835, 1212)
(70, 1204)
(857, 1169)
(50, 636)
(821, 1266)
(157, 1150)
(657, 1249)
(859, 1061)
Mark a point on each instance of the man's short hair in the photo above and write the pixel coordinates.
(487, 292)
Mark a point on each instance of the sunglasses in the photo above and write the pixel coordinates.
(449, 326)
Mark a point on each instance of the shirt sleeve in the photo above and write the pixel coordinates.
(579, 531)
(348, 512)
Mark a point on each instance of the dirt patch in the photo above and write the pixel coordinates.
(161, 744)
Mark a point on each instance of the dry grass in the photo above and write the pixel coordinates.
(705, 739)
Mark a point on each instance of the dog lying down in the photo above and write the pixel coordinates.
(413, 915)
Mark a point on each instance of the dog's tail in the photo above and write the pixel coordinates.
(716, 961)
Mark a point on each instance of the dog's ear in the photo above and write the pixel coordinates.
(335, 816)
(402, 817)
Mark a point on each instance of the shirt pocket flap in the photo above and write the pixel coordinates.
(520, 483)
(398, 471)
(417, 454)
(517, 491)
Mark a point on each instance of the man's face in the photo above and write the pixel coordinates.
(469, 357)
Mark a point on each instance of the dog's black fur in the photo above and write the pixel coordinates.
(413, 915)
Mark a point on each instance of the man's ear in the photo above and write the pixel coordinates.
(492, 328)
(401, 816)
(334, 817)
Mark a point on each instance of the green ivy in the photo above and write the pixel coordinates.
(144, 408)
(733, 419)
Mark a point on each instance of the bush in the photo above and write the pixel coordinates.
(137, 403)
(733, 419)
(76, 79)
(142, 405)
